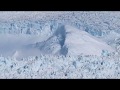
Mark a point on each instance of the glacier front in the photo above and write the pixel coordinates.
(59, 44)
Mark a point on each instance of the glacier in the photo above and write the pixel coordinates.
(59, 44)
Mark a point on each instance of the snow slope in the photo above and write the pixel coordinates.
(68, 40)
(65, 40)
(79, 41)
(57, 39)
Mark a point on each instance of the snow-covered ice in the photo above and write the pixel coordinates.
(59, 44)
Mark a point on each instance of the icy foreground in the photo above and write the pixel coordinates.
(59, 45)
(45, 66)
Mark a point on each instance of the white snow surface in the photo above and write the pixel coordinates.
(79, 41)
(59, 44)
(66, 41)
(57, 67)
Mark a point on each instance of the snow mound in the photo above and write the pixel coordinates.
(68, 40)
